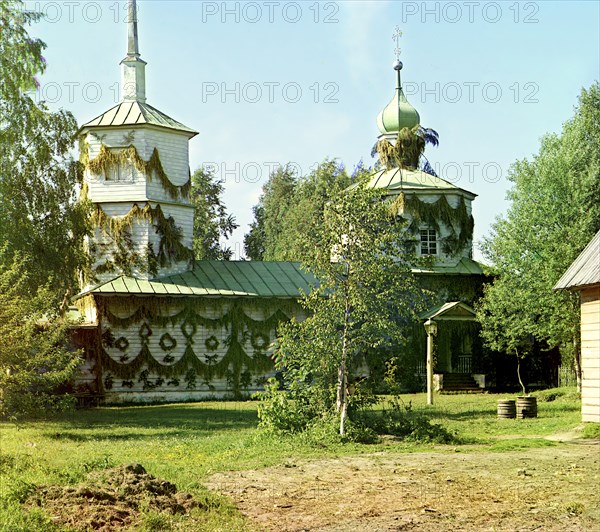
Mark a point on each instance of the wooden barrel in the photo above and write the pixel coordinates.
(526, 407)
(506, 409)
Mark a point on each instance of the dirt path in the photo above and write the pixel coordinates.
(545, 489)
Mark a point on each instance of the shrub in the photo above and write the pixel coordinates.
(35, 357)
(402, 421)
(277, 412)
(591, 430)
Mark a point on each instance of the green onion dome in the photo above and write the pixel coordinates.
(399, 113)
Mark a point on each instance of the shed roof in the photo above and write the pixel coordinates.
(135, 113)
(217, 279)
(585, 269)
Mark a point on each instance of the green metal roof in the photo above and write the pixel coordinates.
(464, 267)
(398, 180)
(217, 279)
(135, 113)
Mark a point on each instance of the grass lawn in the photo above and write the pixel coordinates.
(187, 443)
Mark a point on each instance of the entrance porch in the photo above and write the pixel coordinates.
(453, 332)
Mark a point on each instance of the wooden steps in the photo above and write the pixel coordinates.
(459, 382)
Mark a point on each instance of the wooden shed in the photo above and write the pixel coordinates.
(584, 276)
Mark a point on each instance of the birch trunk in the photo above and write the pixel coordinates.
(342, 385)
(519, 372)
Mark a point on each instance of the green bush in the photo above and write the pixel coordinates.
(35, 355)
(400, 420)
(552, 394)
(591, 430)
(278, 413)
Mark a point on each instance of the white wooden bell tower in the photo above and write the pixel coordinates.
(137, 177)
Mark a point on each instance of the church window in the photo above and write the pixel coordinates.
(428, 242)
(122, 171)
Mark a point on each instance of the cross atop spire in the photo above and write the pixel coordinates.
(397, 63)
(133, 74)
(396, 37)
(398, 113)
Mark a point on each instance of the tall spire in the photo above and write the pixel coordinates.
(133, 73)
(132, 34)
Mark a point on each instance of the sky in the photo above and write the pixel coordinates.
(276, 82)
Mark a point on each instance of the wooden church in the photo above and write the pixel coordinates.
(440, 227)
(159, 326)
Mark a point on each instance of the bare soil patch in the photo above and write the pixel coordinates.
(546, 489)
(110, 499)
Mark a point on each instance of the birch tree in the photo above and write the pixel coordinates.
(366, 295)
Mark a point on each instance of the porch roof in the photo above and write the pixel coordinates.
(453, 310)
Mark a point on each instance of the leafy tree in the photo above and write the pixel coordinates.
(34, 355)
(508, 318)
(305, 213)
(291, 207)
(39, 209)
(273, 205)
(366, 293)
(42, 227)
(554, 212)
(255, 239)
(211, 221)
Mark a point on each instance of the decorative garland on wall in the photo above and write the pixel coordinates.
(84, 159)
(237, 366)
(153, 310)
(457, 220)
(116, 227)
(107, 158)
(167, 342)
(170, 247)
(212, 343)
(466, 288)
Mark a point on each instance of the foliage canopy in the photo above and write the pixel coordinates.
(554, 212)
(291, 207)
(42, 227)
(211, 221)
(39, 209)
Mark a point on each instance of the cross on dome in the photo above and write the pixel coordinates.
(396, 37)
(399, 113)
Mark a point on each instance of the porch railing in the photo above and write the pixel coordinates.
(464, 364)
